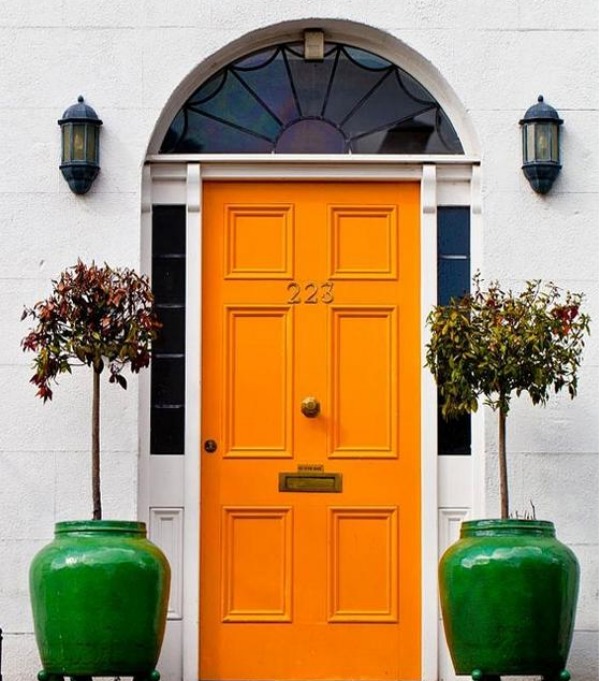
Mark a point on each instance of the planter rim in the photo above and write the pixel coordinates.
(510, 526)
(100, 526)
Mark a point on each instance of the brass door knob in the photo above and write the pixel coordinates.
(310, 407)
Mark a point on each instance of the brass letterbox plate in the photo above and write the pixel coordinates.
(310, 481)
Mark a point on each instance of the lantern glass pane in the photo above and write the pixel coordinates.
(67, 148)
(554, 148)
(529, 142)
(79, 142)
(543, 141)
(92, 132)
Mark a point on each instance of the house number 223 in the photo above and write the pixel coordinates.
(310, 293)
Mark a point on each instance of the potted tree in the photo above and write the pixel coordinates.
(99, 591)
(508, 587)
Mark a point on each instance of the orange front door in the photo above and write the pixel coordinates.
(310, 541)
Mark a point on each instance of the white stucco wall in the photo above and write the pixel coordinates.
(127, 59)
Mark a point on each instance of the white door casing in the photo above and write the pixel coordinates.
(169, 485)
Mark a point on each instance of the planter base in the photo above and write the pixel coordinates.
(154, 675)
(478, 675)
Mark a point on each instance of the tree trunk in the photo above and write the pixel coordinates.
(96, 499)
(502, 463)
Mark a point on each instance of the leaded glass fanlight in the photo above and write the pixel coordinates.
(276, 101)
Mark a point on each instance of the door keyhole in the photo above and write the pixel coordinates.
(210, 446)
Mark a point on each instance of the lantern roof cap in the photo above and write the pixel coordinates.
(80, 112)
(541, 112)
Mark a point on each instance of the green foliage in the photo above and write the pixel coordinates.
(495, 343)
(96, 316)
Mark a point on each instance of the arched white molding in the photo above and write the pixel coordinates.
(359, 35)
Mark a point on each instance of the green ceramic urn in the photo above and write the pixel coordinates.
(99, 595)
(508, 591)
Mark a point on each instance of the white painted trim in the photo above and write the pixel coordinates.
(377, 160)
(450, 169)
(453, 181)
(478, 418)
(143, 500)
(166, 530)
(449, 520)
(429, 481)
(193, 340)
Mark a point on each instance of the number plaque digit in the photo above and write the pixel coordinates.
(310, 293)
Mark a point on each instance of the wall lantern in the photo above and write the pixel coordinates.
(80, 132)
(541, 159)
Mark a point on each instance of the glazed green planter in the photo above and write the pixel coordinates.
(508, 591)
(99, 595)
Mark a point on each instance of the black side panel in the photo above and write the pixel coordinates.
(167, 422)
(454, 266)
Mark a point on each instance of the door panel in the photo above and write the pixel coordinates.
(259, 346)
(310, 290)
(364, 404)
(257, 567)
(360, 537)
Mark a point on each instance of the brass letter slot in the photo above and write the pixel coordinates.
(310, 481)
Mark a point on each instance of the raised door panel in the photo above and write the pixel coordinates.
(257, 567)
(364, 403)
(258, 381)
(363, 564)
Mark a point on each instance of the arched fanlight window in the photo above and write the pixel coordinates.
(276, 101)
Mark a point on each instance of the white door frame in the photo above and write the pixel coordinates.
(169, 486)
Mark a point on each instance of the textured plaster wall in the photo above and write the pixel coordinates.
(127, 58)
